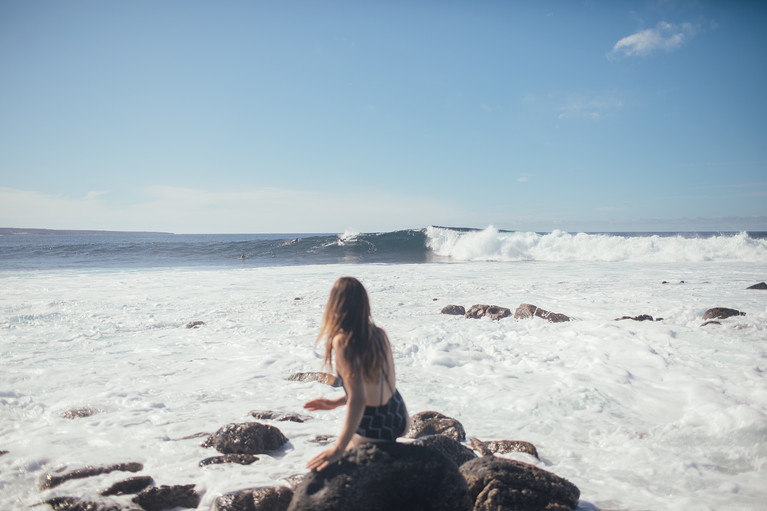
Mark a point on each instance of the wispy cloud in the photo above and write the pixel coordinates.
(589, 106)
(188, 210)
(665, 36)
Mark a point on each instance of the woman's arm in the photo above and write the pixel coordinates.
(324, 403)
(355, 399)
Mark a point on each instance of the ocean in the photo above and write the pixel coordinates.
(646, 415)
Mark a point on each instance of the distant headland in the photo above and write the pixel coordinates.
(16, 230)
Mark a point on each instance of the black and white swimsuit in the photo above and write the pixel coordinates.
(385, 422)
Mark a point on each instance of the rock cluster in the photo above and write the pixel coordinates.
(496, 312)
(436, 471)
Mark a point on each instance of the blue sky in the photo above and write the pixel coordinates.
(328, 116)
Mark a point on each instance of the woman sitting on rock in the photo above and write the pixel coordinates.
(375, 409)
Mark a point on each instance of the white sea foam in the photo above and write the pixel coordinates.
(491, 245)
(639, 415)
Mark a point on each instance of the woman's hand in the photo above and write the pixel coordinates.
(323, 403)
(324, 459)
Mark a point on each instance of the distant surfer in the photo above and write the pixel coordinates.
(375, 409)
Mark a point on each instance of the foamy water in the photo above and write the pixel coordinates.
(639, 415)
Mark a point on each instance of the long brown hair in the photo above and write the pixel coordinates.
(347, 314)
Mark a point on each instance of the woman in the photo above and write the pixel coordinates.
(375, 409)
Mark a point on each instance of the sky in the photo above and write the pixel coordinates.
(256, 116)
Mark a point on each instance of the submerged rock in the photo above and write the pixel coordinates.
(641, 317)
(434, 423)
(525, 311)
(240, 459)
(51, 481)
(721, 313)
(384, 477)
(246, 438)
(195, 324)
(761, 285)
(168, 497)
(492, 311)
(77, 413)
(279, 416)
(268, 498)
(503, 447)
(498, 483)
(326, 378)
(128, 486)
(453, 310)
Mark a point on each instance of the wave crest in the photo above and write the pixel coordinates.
(490, 244)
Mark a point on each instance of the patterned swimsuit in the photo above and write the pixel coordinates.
(385, 422)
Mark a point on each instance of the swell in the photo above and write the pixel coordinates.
(431, 244)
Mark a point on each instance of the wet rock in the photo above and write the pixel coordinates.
(246, 438)
(492, 311)
(641, 317)
(128, 486)
(451, 449)
(3, 453)
(78, 504)
(294, 480)
(453, 310)
(323, 439)
(525, 311)
(434, 423)
(77, 413)
(195, 324)
(51, 480)
(503, 447)
(326, 378)
(384, 477)
(721, 313)
(498, 483)
(240, 459)
(168, 497)
(761, 285)
(270, 498)
(712, 322)
(278, 416)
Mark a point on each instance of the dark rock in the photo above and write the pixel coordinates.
(246, 438)
(498, 483)
(270, 498)
(326, 378)
(434, 423)
(282, 417)
(168, 497)
(51, 481)
(128, 486)
(451, 449)
(721, 313)
(761, 285)
(195, 324)
(642, 317)
(240, 459)
(384, 477)
(77, 504)
(3, 453)
(503, 447)
(323, 439)
(77, 413)
(492, 311)
(525, 311)
(453, 310)
(712, 322)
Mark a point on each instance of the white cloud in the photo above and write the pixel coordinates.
(188, 210)
(595, 106)
(665, 36)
